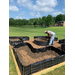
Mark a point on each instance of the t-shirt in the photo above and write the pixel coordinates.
(52, 33)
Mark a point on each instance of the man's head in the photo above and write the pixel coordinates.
(45, 31)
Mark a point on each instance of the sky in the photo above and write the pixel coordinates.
(26, 9)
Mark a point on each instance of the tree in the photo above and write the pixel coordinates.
(60, 17)
(11, 21)
(39, 21)
(44, 19)
(54, 18)
(49, 20)
(30, 22)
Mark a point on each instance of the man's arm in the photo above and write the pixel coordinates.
(49, 35)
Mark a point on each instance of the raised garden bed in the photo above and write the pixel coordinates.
(44, 37)
(56, 44)
(17, 40)
(63, 46)
(42, 40)
(62, 41)
(31, 60)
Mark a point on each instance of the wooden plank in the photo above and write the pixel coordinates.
(48, 69)
(9, 45)
(17, 68)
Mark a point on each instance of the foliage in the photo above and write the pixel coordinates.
(60, 17)
(48, 21)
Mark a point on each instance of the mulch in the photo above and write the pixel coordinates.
(43, 40)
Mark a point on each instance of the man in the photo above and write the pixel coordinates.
(51, 36)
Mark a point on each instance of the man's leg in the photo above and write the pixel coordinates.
(52, 40)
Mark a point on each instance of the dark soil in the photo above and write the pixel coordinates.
(42, 40)
(26, 56)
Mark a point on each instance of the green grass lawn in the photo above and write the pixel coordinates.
(36, 31)
(31, 32)
(57, 71)
(12, 68)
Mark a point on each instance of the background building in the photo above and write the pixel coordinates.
(60, 23)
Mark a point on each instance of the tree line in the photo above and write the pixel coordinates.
(49, 20)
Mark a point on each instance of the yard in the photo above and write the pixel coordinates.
(31, 32)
